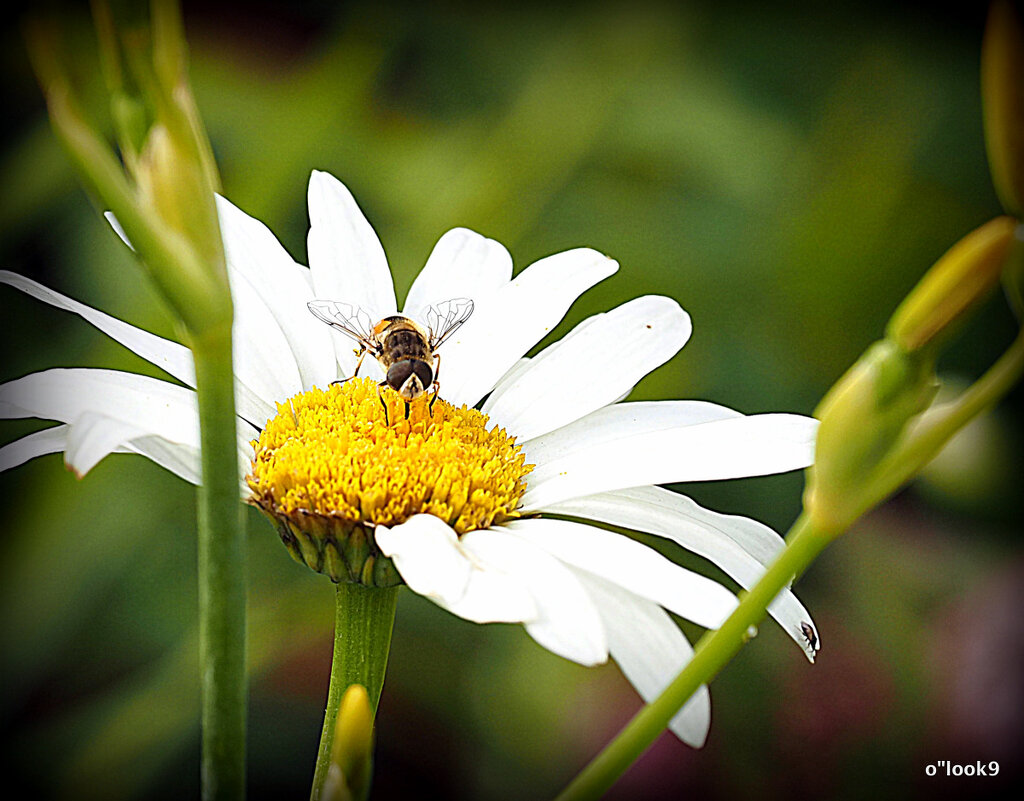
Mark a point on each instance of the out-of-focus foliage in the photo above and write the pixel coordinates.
(786, 174)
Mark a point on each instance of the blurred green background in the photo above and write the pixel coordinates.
(786, 172)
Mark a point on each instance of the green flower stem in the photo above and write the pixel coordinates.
(364, 618)
(938, 425)
(222, 574)
(161, 189)
(714, 650)
(808, 537)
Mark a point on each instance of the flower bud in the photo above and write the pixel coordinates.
(1002, 91)
(352, 751)
(162, 193)
(171, 181)
(956, 284)
(862, 418)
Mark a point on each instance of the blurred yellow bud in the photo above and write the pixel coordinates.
(352, 751)
(958, 282)
(171, 182)
(161, 185)
(877, 430)
(862, 419)
(1002, 94)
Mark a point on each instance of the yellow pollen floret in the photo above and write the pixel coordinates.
(328, 464)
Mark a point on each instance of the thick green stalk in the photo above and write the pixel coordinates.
(714, 650)
(364, 618)
(222, 574)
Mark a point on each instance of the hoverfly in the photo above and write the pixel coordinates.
(405, 349)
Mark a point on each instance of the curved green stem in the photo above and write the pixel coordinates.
(939, 425)
(714, 650)
(222, 574)
(364, 618)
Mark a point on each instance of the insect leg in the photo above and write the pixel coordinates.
(436, 385)
(380, 397)
(407, 410)
(358, 365)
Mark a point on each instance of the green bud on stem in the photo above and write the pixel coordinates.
(877, 430)
(161, 186)
(959, 282)
(862, 417)
(352, 751)
(1002, 94)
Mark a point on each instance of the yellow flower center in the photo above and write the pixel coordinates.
(332, 465)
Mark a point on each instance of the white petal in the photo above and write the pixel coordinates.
(651, 651)
(182, 460)
(511, 376)
(492, 596)
(514, 318)
(732, 448)
(66, 394)
(591, 366)
(38, 443)
(263, 359)
(169, 356)
(185, 461)
(566, 621)
(426, 552)
(345, 256)
(633, 566)
(252, 409)
(463, 264)
(152, 406)
(255, 255)
(254, 405)
(742, 547)
(110, 411)
(622, 420)
(429, 556)
(94, 435)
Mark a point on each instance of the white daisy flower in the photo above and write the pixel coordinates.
(484, 501)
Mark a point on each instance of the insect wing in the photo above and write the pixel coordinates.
(445, 318)
(351, 320)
